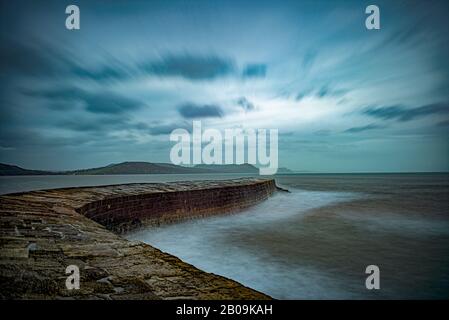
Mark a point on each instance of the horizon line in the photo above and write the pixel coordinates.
(286, 173)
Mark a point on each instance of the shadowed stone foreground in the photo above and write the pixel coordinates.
(42, 232)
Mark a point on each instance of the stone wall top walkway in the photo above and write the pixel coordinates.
(42, 232)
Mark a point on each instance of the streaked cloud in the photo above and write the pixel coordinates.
(401, 113)
(95, 102)
(193, 67)
(193, 111)
(321, 92)
(255, 71)
(112, 71)
(18, 58)
(159, 128)
(123, 85)
(245, 104)
(364, 128)
(110, 103)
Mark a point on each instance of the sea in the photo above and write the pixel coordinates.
(314, 242)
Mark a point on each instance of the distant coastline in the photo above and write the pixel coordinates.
(138, 167)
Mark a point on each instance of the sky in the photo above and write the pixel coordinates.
(344, 98)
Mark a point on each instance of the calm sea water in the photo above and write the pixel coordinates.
(315, 242)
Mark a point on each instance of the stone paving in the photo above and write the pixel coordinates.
(42, 232)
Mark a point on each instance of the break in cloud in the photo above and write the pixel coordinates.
(344, 98)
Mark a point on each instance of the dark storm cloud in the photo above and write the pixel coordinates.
(66, 93)
(23, 136)
(400, 113)
(191, 67)
(12, 137)
(98, 102)
(20, 59)
(255, 71)
(23, 59)
(110, 103)
(363, 128)
(107, 124)
(245, 104)
(101, 73)
(190, 111)
(98, 124)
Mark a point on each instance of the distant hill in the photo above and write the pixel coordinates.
(166, 168)
(10, 170)
(140, 168)
(136, 168)
(285, 170)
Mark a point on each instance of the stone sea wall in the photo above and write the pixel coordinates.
(43, 232)
(172, 203)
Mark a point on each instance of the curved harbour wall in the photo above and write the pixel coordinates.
(42, 232)
(168, 203)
